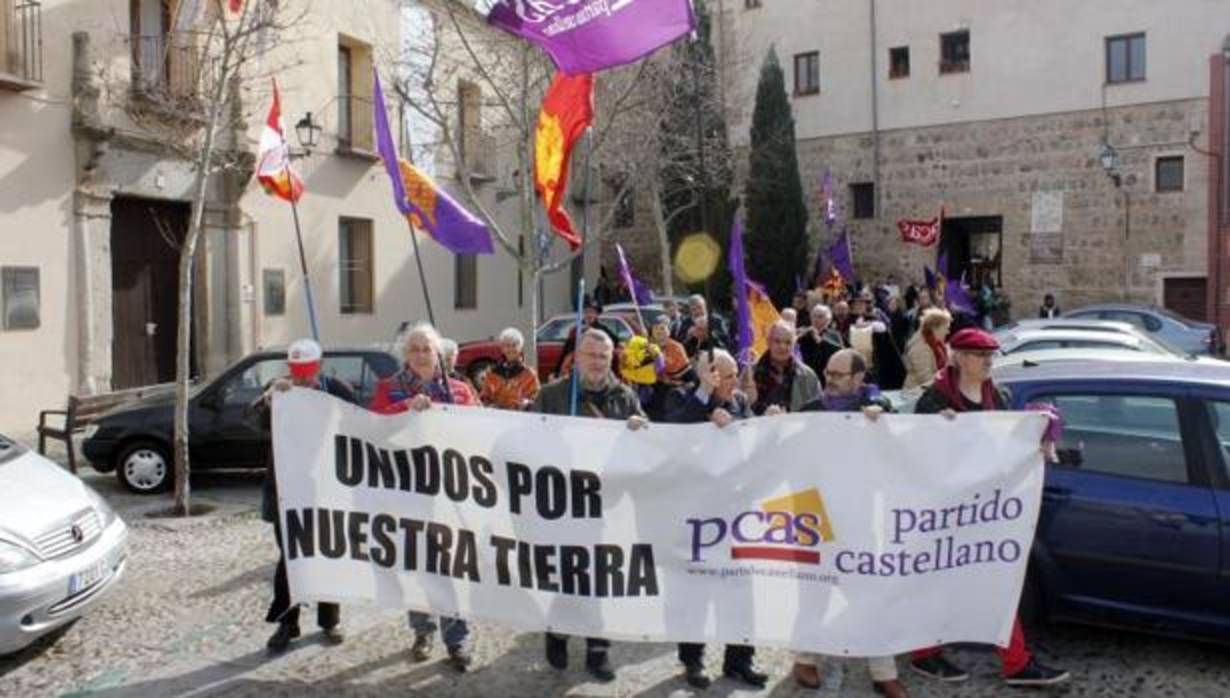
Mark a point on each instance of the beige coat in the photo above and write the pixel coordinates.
(920, 365)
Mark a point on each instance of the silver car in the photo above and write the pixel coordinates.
(1179, 332)
(61, 547)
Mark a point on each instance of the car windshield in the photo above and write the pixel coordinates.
(555, 329)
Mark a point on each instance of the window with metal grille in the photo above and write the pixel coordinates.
(864, 196)
(465, 287)
(274, 282)
(1168, 173)
(954, 52)
(1125, 58)
(20, 297)
(355, 263)
(807, 73)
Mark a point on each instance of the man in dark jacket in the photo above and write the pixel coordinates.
(303, 358)
(702, 330)
(966, 386)
(715, 400)
(819, 341)
(599, 395)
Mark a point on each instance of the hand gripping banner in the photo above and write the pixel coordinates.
(820, 532)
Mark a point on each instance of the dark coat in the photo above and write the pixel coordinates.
(269, 488)
(685, 406)
(615, 401)
(817, 352)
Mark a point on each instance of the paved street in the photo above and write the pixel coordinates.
(187, 620)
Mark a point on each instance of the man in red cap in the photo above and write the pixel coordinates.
(303, 359)
(965, 386)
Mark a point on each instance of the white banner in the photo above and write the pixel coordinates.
(818, 532)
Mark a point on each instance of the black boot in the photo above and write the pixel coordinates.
(694, 674)
(599, 666)
(280, 640)
(557, 651)
(747, 673)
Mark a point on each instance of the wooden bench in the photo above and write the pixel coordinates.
(84, 410)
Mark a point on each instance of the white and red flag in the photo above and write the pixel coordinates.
(273, 160)
(923, 233)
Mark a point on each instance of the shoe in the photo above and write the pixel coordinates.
(939, 669)
(747, 673)
(420, 651)
(806, 676)
(280, 639)
(459, 658)
(334, 634)
(557, 652)
(891, 689)
(599, 666)
(694, 674)
(1035, 674)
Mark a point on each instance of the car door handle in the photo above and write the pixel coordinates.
(1169, 519)
(1056, 494)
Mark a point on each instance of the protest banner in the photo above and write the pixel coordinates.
(809, 531)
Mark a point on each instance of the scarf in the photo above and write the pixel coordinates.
(938, 349)
(412, 385)
(853, 402)
(948, 382)
(509, 370)
(773, 388)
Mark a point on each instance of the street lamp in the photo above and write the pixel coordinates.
(307, 132)
(1109, 157)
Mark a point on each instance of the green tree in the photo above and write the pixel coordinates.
(776, 242)
(695, 161)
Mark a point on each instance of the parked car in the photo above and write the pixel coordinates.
(650, 313)
(134, 440)
(1111, 355)
(1185, 335)
(1031, 340)
(1061, 323)
(473, 358)
(62, 547)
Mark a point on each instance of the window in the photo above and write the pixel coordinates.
(165, 61)
(355, 265)
(751, 4)
(1145, 322)
(1220, 414)
(465, 288)
(1134, 436)
(864, 195)
(807, 73)
(246, 387)
(354, 95)
(1168, 173)
(20, 297)
(355, 371)
(21, 44)
(1125, 58)
(954, 52)
(274, 282)
(899, 62)
(474, 149)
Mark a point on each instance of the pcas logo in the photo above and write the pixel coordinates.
(787, 528)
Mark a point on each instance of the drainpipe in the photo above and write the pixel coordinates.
(875, 114)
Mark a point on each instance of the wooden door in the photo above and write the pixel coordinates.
(1185, 296)
(145, 238)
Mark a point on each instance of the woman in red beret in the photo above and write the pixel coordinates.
(965, 386)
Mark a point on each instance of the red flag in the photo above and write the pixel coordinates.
(923, 233)
(273, 160)
(235, 6)
(567, 111)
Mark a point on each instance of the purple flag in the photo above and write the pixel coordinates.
(586, 36)
(637, 290)
(419, 199)
(930, 276)
(840, 258)
(956, 297)
(830, 206)
(743, 313)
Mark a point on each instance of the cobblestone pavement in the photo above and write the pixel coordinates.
(188, 621)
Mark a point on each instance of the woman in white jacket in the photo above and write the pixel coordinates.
(926, 352)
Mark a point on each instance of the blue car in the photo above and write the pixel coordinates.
(1135, 522)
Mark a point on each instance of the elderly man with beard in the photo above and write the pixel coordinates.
(419, 384)
(965, 385)
(714, 399)
(602, 396)
(846, 391)
(781, 379)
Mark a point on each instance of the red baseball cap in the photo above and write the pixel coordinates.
(973, 339)
(303, 357)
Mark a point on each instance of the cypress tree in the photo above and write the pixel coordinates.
(776, 242)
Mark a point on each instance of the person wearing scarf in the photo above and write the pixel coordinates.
(846, 391)
(965, 385)
(510, 384)
(782, 379)
(926, 352)
(418, 386)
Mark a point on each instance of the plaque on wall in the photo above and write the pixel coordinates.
(1047, 212)
(1046, 248)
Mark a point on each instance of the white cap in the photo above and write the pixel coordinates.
(303, 351)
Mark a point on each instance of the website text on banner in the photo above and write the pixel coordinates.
(808, 531)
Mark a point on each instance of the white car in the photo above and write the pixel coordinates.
(1105, 355)
(1033, 341)
(61, 547)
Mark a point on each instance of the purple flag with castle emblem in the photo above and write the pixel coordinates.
(586, 36)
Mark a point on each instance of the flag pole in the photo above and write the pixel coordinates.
(572, 390)
(418, 261)
(307, 280)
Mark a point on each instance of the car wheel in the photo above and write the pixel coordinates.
(145, 467)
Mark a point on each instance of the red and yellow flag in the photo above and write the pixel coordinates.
(273, 159)
(567, 111)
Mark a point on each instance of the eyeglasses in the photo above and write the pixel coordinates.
(837, 374)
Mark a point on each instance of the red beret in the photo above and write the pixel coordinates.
(973, 339)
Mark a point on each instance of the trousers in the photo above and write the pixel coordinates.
(328, 615)
(1013, 658)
